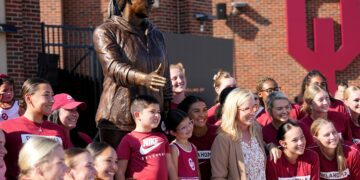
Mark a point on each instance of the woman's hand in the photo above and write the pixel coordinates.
(274, 152)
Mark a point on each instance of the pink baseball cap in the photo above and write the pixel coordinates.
(65, 101)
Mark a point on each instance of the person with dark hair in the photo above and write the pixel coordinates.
(105, 160)
(222, 99)
(339, 94)
(37, 100)
(338, 159)
(203, 133)
(133, 57)
(9, 107)
(65, 113)
(296, 162)
(184, 153)
(315, 77)
(144, 149)
(265, 86)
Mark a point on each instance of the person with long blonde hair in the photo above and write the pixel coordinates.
(239, 145)
(316, 105)
(352, 102)
(338, 159)
(41, 159)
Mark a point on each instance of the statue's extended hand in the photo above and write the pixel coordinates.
(154, 81)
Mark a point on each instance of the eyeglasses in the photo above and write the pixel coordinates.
(249, 109)
(184, 128)
(270, 90)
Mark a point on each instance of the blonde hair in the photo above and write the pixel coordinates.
(71, 154)
(309, 96)
(219, 76)
(178, 66)
(229, 123)
(340, 158)
(34, 153)
(349, 90)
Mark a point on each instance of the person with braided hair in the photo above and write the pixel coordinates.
(133, 57)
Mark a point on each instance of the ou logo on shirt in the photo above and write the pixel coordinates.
(191, 164)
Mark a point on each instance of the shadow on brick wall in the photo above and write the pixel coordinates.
(241, 23)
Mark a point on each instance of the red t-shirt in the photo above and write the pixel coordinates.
(355, 130)
(20, 130)
(269, 134)
(338, 106)
(329, 168)
(340, 121)
(187, 163)
(203, 145)
(263, 118)
(146, 155)
(306, 167)
(212, 114)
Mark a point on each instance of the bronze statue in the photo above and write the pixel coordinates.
(133, 57)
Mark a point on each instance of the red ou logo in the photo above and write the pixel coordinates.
(324, 57)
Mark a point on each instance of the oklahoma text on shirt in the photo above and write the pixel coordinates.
(295, 178)
(335, 174)
(26, 137)
(204, 154)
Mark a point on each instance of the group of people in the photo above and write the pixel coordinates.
(245, 135)
(39, 138)
(158, 131)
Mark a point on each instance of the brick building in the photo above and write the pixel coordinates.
(258, 32)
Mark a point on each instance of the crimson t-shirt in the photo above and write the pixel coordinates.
(340, 121)
(203, 145)
(146, 155)
(20, 130)
(307, 167)
(212, 119)
(355, 130)
(269, 134)
(329, 168)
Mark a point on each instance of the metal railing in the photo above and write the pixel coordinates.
(75, 48)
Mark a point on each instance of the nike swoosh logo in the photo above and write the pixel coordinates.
(144, 151)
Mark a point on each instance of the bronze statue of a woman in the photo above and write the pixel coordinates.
(133, 57)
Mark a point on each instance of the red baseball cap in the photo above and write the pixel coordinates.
(65, 101)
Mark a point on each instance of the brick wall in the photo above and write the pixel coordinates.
(260, 48)
(24, 45)
(51, 11)
(259, 34)
(84, 13)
